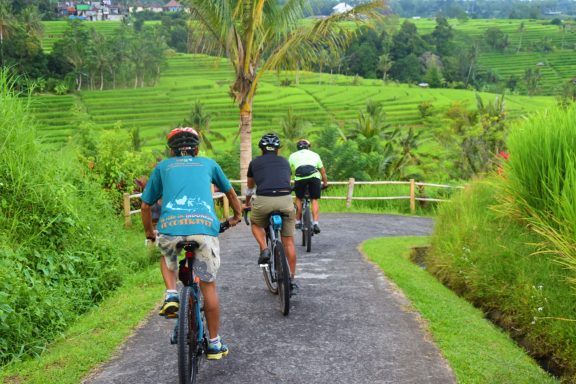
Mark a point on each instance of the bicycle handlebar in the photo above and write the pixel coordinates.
(224, 225)
(245, 214)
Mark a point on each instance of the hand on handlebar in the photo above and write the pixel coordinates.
(325, 185)
(234, 220)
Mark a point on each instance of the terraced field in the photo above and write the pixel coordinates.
(54, 31)
(556, 67)
(320, 99)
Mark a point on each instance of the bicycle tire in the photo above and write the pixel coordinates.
(283, 277)
(270, 278)
(303, 236)
(308, 226)
(187, 338)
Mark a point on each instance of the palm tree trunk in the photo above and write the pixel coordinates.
(245, 141)
(101, 79)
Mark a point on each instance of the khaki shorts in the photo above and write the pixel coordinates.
(207, 256)
(262, 206)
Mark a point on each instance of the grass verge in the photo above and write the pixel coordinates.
(477, 351)
(69, 358)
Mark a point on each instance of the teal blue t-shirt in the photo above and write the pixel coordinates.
(184, 184)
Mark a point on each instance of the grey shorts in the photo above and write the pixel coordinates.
(207, 256)
(262, 206)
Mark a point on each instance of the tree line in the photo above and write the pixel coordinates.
(83, 58)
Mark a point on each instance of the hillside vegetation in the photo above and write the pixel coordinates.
(318, 98)
(513, 252)
(62, 249)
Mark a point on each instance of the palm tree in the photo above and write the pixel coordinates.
(199, 119)
(371, 128)
(7, 26)
(74, 48)
(261, 35)
(32, 22)
(293, 127)
(385, 62)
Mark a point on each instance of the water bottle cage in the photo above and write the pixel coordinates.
(277, 222)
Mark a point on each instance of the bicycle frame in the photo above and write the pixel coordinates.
(277, 271)
(186, 275)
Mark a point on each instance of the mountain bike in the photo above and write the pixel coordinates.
(277, 271)
(307, 221)
(190, 332)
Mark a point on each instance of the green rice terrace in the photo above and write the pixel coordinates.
(318, 98)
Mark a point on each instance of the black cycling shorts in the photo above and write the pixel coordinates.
(313, 184)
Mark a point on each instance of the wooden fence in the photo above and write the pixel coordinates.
(412, 185)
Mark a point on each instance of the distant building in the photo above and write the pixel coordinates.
(90, 10)
(138, 7)
(172, 6)
(341, 8)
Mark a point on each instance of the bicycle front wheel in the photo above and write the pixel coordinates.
(187, 338)
(283, 277)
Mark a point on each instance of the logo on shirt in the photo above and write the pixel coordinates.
(186, 203)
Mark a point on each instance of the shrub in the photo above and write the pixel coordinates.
(493, 261)
(541, 180)
(61, 247)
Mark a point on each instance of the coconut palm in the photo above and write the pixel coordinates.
(261, 35)
(32, 22)
(199, 119)
(293, 128)
(7, 27)
(371, 128)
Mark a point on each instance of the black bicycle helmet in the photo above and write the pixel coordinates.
(183, 139)
(303, 144)
(269, 142)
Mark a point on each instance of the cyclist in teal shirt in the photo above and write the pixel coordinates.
(184, 183)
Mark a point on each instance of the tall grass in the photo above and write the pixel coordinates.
(61, 250)
(491, 259)
(540, 184)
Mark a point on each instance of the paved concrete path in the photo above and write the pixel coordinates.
(347, 325)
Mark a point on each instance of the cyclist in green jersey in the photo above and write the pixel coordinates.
(309, 173)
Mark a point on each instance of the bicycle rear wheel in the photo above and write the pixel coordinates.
(308, 228)
(187, 338)
(270, 277)
(283, 277)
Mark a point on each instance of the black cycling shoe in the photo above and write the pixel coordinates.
(264, 257)
(316, 229)
(298, 226)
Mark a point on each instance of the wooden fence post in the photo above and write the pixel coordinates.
(226, 206)
(412, 197)
(127, 220)
(350, 192)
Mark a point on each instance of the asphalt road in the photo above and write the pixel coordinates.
(347, 325)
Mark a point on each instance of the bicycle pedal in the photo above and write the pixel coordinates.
(264, 266)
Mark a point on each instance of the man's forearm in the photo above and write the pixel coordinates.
(234, 202)
(146, 214)
(324, 176)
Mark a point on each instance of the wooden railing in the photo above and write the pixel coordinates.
(412, 185)
(128, 211)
